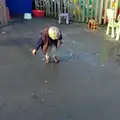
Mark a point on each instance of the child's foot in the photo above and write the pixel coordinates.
(56, 60)
(48, 60)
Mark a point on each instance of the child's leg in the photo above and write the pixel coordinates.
(47, 55)
(47, 58)
(54, 53)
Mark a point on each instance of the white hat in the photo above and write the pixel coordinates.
(54, 33)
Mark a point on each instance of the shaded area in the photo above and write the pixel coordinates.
(84, 85)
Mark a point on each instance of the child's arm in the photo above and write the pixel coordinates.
(60, 41)
(61, 38)
(38, 45)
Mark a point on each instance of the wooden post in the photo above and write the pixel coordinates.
(92, 9)
(61, 6)
(105, 11)
(52, 12)
(96, 10)
(101, 10)
(3, 14)
(79, 11)
(41, 5)
(45, 8)
(71, 9)
(65, 6)
(74, 11)
(55, 12)
(83, 12)
(68, 8)
(87, 6)
(111, 4)
(116, 8)
(48, 8)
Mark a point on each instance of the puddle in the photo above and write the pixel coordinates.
(91, 59)
(95, 59)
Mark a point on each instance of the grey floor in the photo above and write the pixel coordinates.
(85, 85)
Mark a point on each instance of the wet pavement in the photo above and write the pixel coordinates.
(85, 85)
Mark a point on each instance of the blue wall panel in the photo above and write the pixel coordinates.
(19, 6)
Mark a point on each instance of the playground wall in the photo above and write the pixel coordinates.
(79, 10)
(19, 7)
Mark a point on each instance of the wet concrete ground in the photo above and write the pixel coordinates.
(85, 85)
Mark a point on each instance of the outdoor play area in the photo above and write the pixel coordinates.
(85, 85)
(93, 12)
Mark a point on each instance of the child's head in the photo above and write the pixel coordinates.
(54, 33)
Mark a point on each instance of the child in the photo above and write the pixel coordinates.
(50, 40)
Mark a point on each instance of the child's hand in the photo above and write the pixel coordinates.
(34, 51)
(60, 43)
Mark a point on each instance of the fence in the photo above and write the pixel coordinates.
(79, 10)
